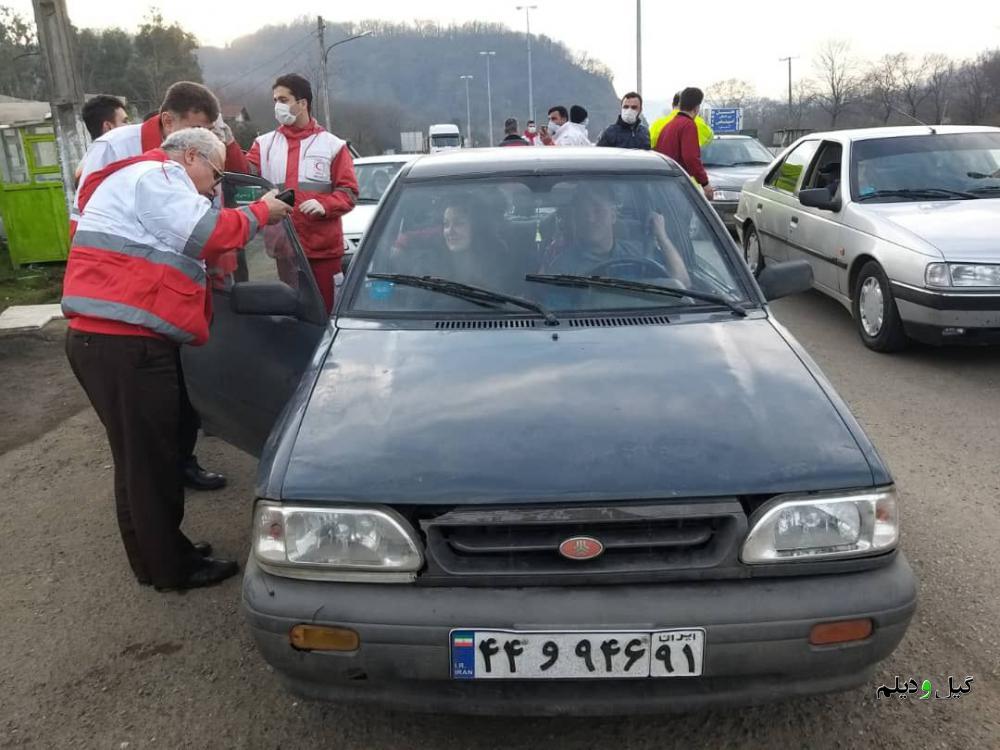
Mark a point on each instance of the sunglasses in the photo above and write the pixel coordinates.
(219, 174)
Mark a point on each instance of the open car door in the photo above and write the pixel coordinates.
(268, 317)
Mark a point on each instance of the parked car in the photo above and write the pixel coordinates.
(552, 454)
(375, 174)
(732, 160)
(899, 224)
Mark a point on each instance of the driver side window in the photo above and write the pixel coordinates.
(787, 176)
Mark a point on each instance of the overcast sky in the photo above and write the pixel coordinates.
(693, 43)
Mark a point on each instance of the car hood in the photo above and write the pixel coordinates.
(466, 417)
(358, 219)
(733, 178)
(959, 230)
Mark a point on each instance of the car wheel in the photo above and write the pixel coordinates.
(751, 250)
(875, 312)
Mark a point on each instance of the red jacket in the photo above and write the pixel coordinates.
(137, 266)
(679, 141)
(336, 189)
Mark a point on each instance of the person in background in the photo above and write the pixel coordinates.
(705, 133)
(318, 166)
(558, 118)
(103, 113)
(574, 132)
(134, 292)
(185, 105)
(511, 136)
(628, 131)
(679, 140)
(530, 132)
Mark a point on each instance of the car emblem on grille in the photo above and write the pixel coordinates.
(581, 548)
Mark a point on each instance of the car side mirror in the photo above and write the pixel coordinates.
(264, 298)
(779, 280)
(819, 198)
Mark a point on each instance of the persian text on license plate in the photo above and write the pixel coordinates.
(508, 654)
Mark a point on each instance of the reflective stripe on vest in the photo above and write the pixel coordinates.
(99, 308)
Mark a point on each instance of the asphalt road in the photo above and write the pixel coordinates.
(90, 659)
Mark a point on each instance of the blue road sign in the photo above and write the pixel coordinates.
(726, 120)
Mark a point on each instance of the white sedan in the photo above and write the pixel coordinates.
(899, 224)
(375, 174)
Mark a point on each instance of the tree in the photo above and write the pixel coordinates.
(161, 56)
(978, 88)
(838, 81)
(22, 72)
(731, 92)
(883, 84)
(913, 88)
(940, 75)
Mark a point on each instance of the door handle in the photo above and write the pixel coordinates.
(795, 221)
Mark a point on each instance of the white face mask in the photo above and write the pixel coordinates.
(283, 113)
(531, 129)
(629, 116)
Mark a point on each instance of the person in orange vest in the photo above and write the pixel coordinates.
(185, 105)
(135, 290)
(317, 165)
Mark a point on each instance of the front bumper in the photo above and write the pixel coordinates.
(948, 317)
(727, 212)
(757, 631)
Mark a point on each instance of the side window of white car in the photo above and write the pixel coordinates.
(787, 176)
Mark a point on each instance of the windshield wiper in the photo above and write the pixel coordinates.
(752, 162)
(987, 189)
(607, 282)
(476, 294)
(918, 193)
(364, 199)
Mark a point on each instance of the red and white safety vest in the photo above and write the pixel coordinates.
(137, 262)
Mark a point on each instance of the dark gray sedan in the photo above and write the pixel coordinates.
(732, 160)
(552, 454)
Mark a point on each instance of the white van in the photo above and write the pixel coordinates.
(443, 137)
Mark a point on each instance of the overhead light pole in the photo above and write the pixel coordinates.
(324, 54)
(531, 85)
(489, 91)
(468, 109)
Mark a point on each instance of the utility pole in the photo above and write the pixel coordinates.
(468, 110)
(789, 61)
(320, 28)
(638, 46)
(531, 86)
(489, 92)
(65, 94)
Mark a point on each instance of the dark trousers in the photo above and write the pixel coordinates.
(135, 386)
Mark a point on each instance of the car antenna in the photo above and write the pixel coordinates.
(919, 122)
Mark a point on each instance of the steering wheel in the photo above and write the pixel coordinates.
(643, 268)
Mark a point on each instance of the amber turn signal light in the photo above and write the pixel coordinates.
(323, 638)
(845, 631)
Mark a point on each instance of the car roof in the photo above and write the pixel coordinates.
(386, 159)
(540, 160)
(903, 131)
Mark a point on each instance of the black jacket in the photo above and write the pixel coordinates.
(514, 140)
(620, 135)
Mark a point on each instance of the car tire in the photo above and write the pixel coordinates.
(752, 253)
(874, 309)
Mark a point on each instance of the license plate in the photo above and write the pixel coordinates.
(519, 655)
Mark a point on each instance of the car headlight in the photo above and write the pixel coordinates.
(962, 274)
(726, 195)
(791, 528)
(335, 543)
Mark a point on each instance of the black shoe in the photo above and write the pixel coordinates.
(197, 478)
(211, 572)
(203, 548)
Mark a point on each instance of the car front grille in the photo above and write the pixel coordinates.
(521, 546)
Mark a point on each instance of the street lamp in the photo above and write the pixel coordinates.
(489, 92)
(789, 61)
(326, 54)
(468, 110)
(531, 91)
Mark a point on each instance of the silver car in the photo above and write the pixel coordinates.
(900, 226)
(730, 161)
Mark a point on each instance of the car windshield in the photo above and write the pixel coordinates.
(910, 168)
(373, 179)
(446, 141)
(492, 233)
(731, 152)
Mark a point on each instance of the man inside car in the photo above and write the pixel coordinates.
(592, 247)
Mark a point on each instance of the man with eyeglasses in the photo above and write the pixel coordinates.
(134, 292)
(628, 131)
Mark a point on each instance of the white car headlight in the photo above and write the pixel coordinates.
(962, 274)
(335, 543)
(726, 195)
(795, 527)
